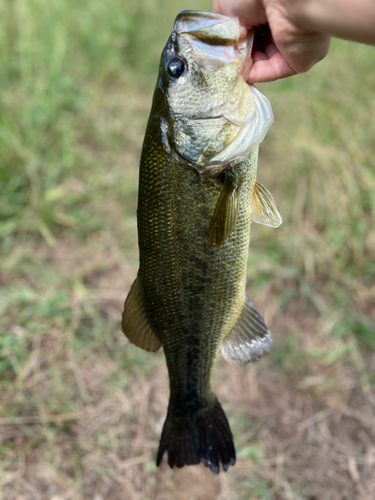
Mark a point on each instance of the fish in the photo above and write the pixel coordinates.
(198, 195)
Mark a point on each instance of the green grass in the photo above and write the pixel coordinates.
(80, 409)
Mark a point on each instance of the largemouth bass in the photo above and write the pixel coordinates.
(197, 197)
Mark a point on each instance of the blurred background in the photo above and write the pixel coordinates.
(81, 410)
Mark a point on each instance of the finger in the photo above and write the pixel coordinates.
(243, 31)
(271, 50)
(270, 70)
(249, 12)
(259, 55)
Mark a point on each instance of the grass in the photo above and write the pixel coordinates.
(81, 410)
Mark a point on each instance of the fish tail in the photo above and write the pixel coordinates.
(203, 436)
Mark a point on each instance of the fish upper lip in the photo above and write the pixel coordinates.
(204, 25)
(197, 19)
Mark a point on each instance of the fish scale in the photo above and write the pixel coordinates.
(172, 268)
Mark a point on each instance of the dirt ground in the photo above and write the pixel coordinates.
(303, 424)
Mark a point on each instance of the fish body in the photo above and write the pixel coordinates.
(197, 197)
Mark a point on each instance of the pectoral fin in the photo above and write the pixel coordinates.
(225, 215)
(135, 324)
(264, 207)
(249, 339)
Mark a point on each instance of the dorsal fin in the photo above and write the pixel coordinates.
(264, 207)
(249, 339)
(135, 324)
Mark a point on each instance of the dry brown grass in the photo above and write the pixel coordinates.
(303, 428)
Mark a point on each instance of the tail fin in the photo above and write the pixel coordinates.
(204, 436)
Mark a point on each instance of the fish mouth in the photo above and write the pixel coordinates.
(205, 29)
(208, 27)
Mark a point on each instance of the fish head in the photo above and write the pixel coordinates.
(211, 115)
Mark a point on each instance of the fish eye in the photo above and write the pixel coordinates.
(176, 67)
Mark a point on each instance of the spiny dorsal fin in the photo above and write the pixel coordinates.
(264, 207)
(249, 339)
(135, 324)
(225, 215)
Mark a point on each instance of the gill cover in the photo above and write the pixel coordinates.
(212, 115)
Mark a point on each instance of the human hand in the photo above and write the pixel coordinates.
(282, 46)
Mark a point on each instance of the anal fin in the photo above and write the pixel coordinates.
(249, 339)
(135, 324)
